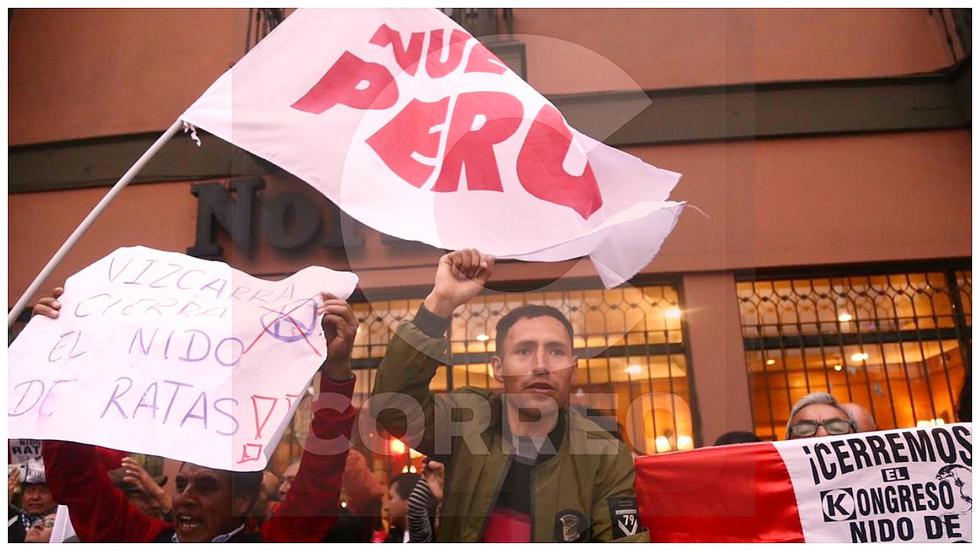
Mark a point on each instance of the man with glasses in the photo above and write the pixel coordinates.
(36, 503)
(818, 414)
(521, 465)
(40, 530)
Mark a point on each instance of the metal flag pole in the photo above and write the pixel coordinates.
(84, 226)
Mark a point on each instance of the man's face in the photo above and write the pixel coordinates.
(205, 506)
(397, 508)
(287, 480)
(536, 365)
(817, 413)
(37, 499)
(40, 531)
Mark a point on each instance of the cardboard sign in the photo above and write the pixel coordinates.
(164, 354)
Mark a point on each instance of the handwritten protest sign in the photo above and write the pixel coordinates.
(164, 354)
(413, 127)
(912, 485)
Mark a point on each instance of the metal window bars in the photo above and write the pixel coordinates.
(896, 342)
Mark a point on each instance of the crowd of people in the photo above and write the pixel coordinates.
(530, 468)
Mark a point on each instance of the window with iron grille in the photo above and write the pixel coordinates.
(897, 343)
(629, 341)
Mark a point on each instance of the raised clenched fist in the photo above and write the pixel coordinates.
(461, 275)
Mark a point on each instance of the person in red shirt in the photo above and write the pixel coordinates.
(211, 504)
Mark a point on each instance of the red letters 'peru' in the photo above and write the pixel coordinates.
(434, 65)
(408, 57)
(408, 132)
(539, 166)
(341, 84)
(479, 120)
(473, 149)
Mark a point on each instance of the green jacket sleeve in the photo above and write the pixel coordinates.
(615, 517)
(401, 399)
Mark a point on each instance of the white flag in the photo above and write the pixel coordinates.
(413, 127)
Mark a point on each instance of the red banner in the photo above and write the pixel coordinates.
(910, 485)
(739, 493)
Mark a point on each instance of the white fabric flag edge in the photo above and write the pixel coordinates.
(636, 223)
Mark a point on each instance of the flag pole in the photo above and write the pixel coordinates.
(84, 226)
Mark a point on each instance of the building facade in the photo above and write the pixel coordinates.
(829, 150)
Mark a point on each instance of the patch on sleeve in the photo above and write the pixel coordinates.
(624, 516)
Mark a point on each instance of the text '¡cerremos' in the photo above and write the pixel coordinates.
(828, 460)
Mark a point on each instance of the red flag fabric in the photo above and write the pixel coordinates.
(733, 493)
(109, 458)
(911, 485)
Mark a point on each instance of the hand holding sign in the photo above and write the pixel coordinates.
(136, 475)
(49, 306)
(164, 354)
(340, 329)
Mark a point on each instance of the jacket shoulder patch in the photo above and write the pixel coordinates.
(624, 517)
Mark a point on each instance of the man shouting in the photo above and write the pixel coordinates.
(521, 466)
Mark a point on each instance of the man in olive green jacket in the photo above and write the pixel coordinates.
(521, 466)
